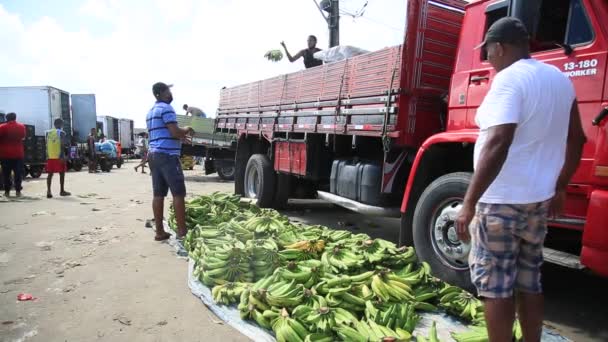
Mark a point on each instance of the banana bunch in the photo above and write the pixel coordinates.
(390, 287)
(236, 229)
(228, 293)
(310, 246)
(402, 316)
(345, 299)
(333, 285)
(319, 337)
(287, 255)
(314, 232)
(459, 302)
(313, 300)
(432, 335)
(339, 260)
(284, 294)
(332, 235)
(264, 257)
(265, 225)
(323, 319)
(306, 272)
(364, 331)
(228, 263)
(288, 236)
(274, 55)
(287, 329)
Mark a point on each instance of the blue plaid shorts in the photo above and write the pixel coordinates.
(507, 248)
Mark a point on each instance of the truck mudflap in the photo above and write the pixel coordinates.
(594, 254)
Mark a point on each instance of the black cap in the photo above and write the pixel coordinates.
(159, 87)
(509, 30)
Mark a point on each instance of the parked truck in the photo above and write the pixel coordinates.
(126, 135)
(108, 126)
(37, 107)
(392, 132)
(217, 148)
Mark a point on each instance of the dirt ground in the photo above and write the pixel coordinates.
(97, 274)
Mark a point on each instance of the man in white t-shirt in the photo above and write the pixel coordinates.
(529, 146)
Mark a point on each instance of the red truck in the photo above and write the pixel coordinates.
(392, 132)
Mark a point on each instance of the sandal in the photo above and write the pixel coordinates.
(163, 237)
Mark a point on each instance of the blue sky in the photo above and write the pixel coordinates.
(118, 49)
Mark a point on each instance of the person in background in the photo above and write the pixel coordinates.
(194, 111)
(308, 54)
(142, 148)
(12, 134)
(91, 140)
(529, 146)
(55, 153)
(164, 152)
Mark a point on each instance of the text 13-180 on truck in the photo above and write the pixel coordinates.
(392, 132)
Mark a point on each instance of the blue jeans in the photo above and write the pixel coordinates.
(167, 174)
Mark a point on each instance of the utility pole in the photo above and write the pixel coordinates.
(332, 7)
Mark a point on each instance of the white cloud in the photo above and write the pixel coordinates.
(123, 47)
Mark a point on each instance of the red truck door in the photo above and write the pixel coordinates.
(575, 24)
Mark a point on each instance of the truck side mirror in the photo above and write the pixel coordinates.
(528, 11)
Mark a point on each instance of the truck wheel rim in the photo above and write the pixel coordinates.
(451, 251)
(228, 171)
(252, 183)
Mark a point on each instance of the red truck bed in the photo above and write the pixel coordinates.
(362, 95)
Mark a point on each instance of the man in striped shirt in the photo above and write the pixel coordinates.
(164, 150)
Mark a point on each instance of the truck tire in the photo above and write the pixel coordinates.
(283, 190)
(35, 171)
(260, 180)
(226, 170)
(434, 232)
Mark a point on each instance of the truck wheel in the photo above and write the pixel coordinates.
(259, 180)
(435, 237)
(226, 171)
(406, 232)
(283, 191)
(35, 171)
(77, 165)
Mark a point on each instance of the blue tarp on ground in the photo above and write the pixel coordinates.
(230, 314)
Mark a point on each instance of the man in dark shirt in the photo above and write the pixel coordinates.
(91, 140)
(12, 134)
(309, 60)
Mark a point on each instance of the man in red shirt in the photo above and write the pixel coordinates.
(12, 134)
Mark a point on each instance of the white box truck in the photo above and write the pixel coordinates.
(108, 125)
(125, 132)
(37, 106)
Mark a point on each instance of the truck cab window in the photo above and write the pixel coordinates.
(560, 21)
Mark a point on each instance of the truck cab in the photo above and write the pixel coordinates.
(568, 34)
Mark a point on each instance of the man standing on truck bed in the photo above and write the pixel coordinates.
(163, 155)
(12, 134)
(308, 54)
(528, 148)
(55, 153)
(194, 111)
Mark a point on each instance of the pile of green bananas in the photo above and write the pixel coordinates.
(312, 283)
(274, 55)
